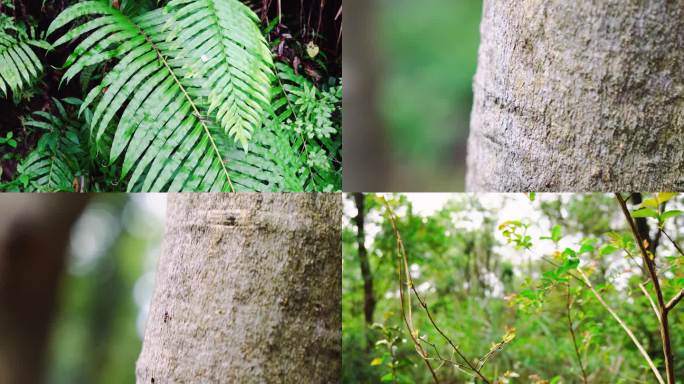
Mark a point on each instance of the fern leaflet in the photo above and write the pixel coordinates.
(19, 65)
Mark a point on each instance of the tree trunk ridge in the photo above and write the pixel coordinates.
(34, 237)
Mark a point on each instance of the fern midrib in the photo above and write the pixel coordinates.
(225, 55)
(52, 164)
(189, 99)
(214, 14)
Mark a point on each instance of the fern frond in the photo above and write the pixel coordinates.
(57, 159)
(19, 65)
(162, 86)
(269, 166)
(221, 42)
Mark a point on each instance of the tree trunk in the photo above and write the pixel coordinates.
(367, 164)
(366, 274)
(579, 96)
(247, 291)
(34, 233)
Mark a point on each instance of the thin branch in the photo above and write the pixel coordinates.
(650, 265)
(678, 297)
(624, 327)
(558, 266)
(453, 346)
(409, 324)
(633, 259)
(649, 260)
(585, 281)
(408, 320)
(679, 249)
(456, 364)
(574, 339)
(675, 300)
(650, 300)
(409, 280)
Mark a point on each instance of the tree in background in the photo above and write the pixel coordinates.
(104, 291)
(578, 95)
(69, 273)
(366, 273)
(34, 233)
(248, 290)
(366, 158)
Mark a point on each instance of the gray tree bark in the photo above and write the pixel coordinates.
(579, 96)
(34, 233)
(247, 291)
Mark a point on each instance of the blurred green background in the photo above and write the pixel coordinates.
(429, 58)
(106, 290)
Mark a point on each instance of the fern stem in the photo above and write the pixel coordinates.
(52, 166)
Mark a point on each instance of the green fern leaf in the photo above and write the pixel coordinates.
(221, 42)
(166, 134)
(56, 161)
(19, 65)
(267, 167)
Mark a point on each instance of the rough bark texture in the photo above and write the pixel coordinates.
(248, 291)
(34, 233)
(579, 95)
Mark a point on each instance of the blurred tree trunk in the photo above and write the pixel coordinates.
(34, 233)
(579, 96)
(366, 274)
(247, 291)
(366, 163)
(468, 254)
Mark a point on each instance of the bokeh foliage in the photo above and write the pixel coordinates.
(96, 337)
(429, 57)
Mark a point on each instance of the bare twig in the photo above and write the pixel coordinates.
(408, 319)
(633, 259)
(650, 300)
(456, 364)
(409, 324)
(676, 299)
(411, 286)
(679, 249)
